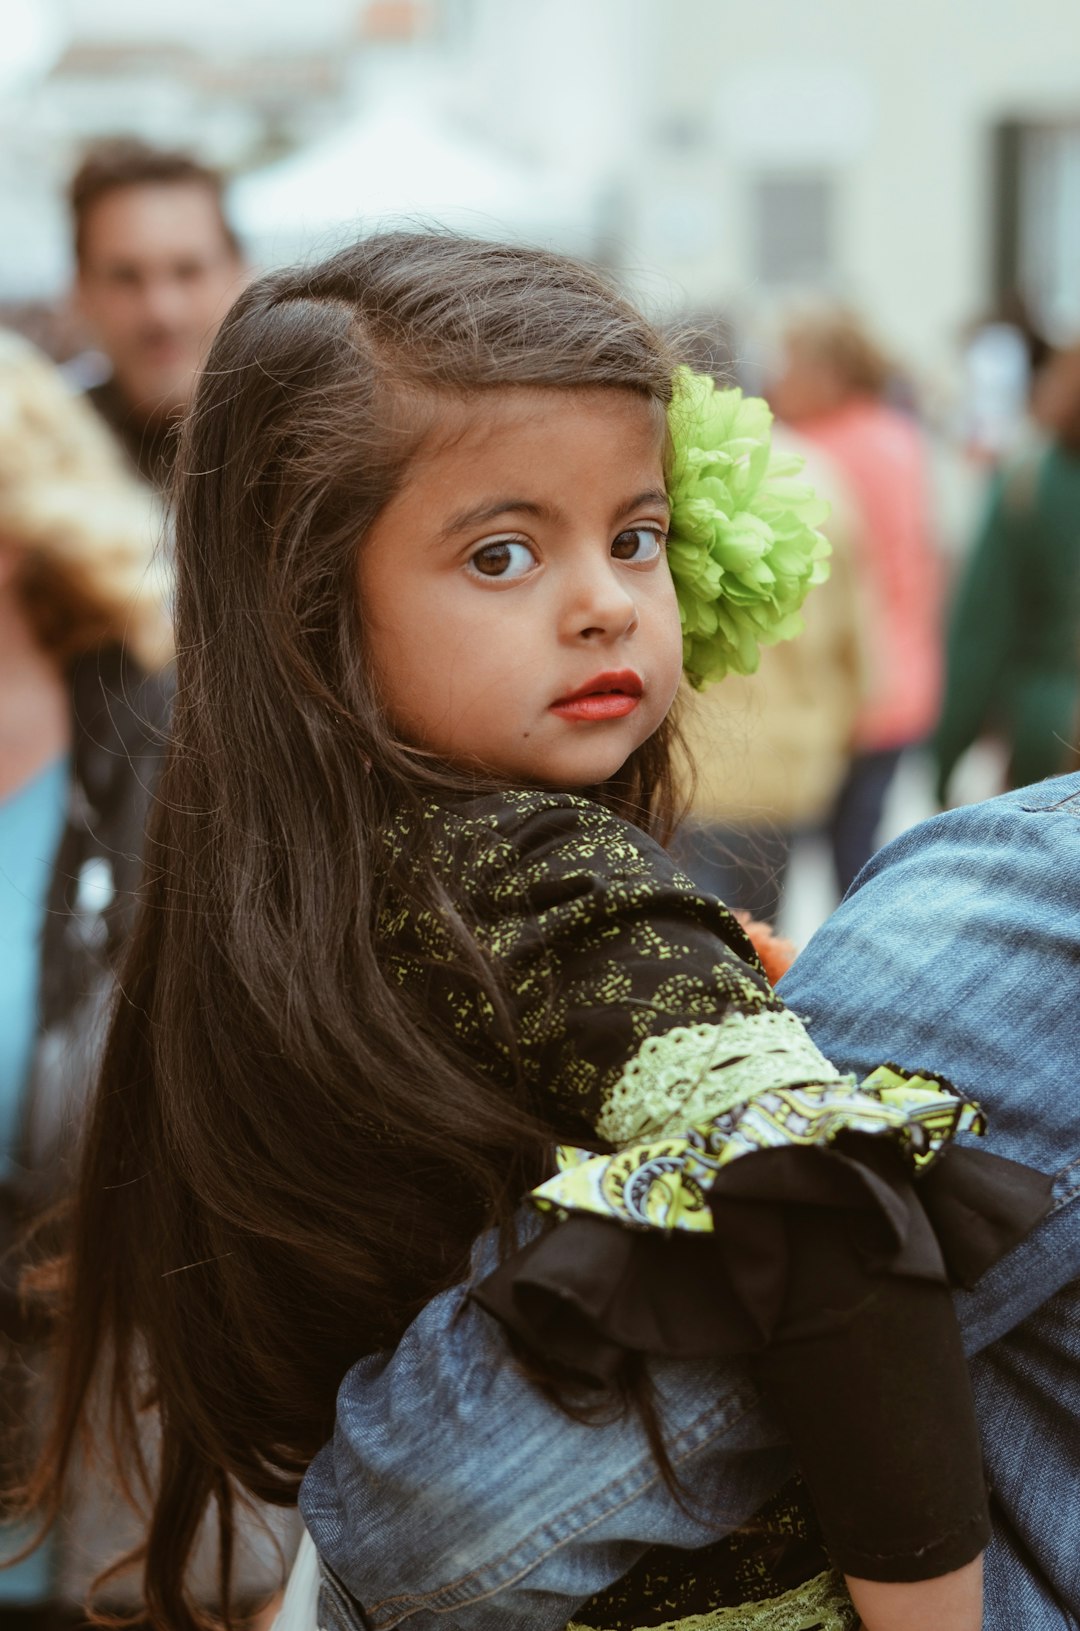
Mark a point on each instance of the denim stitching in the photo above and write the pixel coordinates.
(1058, 804)
(628, 1488)
(1063, 1195)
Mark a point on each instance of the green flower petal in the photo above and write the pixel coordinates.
(744, 548)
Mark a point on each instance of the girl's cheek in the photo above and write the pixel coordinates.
(673, 627)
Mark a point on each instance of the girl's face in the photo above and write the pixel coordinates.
(516, 597)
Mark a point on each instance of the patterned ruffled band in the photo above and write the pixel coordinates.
(665, 1184)
(679, 1243)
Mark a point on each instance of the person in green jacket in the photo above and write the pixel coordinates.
(1013, 658)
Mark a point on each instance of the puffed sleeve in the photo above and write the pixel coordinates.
(605, 947)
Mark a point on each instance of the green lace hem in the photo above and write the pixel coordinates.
(820, 1604)
(694, 1072)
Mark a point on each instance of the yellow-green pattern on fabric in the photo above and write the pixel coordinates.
(822, 1604)
(638, 1015)
(664, 1183)
(933, 1111)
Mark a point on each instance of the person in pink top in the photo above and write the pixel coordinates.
(832, 387)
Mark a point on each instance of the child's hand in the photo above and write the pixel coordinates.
(953, 1602)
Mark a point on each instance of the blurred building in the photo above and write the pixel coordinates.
(922, 161)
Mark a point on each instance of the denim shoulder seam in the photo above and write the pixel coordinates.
(1069, 1176)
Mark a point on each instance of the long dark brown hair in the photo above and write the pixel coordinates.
(285, 1160)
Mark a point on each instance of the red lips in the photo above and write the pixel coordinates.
(610, 695)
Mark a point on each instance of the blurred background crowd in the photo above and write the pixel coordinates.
(869, 214)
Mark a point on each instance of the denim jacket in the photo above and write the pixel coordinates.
(454, 1495)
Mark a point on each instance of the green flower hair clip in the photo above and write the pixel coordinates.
(743, 547)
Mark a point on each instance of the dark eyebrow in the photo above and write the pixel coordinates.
(478, 515)
(651, 495)
(481, 513)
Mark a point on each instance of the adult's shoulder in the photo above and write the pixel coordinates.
(969, 882)
(998, 851)
(958, 950)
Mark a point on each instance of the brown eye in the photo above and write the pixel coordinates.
(504, 558)
(638, 544)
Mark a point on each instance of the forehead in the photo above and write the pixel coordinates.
(153, 221)
(536, 436)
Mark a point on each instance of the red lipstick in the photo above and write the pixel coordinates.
(610, 695)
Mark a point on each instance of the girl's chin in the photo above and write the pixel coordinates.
(586, 765)
(575, 778)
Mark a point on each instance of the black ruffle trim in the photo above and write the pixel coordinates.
(587, 1290)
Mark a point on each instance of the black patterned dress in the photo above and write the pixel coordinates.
(676, 1085)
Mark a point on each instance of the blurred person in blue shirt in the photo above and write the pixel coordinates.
(84, 641)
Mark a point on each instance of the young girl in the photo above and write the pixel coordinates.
(407, 926)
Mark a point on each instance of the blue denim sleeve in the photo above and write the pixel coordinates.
(958, 949)
(454, 1494)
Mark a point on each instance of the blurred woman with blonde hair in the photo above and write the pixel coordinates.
(84, 648)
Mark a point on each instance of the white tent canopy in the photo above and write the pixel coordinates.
(397, 164)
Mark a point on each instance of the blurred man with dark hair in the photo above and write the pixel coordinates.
(157, 267)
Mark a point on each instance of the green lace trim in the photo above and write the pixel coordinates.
(693, 1072)
(664, 1183)
(821, 1604)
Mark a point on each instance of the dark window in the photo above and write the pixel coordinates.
(1036, 249)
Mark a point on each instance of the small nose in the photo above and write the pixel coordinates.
(599, 603)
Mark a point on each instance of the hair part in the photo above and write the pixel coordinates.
(274, 1113)
(125, 162)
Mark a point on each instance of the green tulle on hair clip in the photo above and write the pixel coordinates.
(744, 548)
